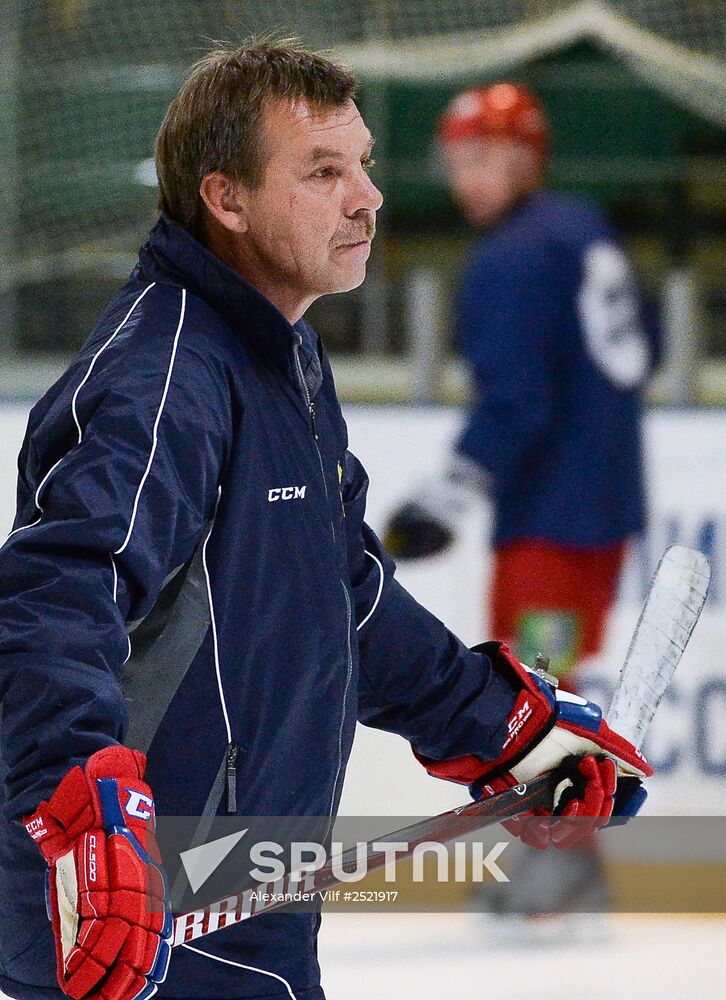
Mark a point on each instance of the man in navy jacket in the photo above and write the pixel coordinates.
(194, 611)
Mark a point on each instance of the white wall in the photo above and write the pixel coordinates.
(13, 418)
(686, 457)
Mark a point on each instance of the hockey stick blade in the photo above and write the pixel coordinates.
(674, 603)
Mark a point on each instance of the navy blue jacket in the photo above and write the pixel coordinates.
(190, 573)
(551, 324)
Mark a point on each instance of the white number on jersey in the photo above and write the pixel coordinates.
(609, 316)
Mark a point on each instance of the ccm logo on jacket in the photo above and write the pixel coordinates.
(286, 493)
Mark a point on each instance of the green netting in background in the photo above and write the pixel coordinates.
(86, 82)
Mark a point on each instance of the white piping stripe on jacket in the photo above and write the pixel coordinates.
(154, 441)
(43, 481)
(377, 561)
(215, 643)
(156, 424)
(239, 965)
(83, 381)
(115, 601)
(97, 355)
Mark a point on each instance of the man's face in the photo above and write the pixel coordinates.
(486, 177)
(311, 222)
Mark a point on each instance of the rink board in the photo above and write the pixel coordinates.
(686, 460)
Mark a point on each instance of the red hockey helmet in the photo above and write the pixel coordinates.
(505, 110)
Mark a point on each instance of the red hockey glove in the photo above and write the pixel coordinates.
(551, 730)
(107, 897)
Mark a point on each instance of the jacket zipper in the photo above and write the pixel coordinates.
(230, 754)
(231, 765)
(349, 614)
(306, 393)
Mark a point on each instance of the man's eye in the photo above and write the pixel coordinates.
(368, 162)
(325, 172)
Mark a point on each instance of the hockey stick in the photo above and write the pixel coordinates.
(441, 828)
(674, 602)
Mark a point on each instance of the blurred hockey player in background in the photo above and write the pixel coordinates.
(551, 324)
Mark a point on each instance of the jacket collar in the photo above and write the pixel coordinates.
(171, 253)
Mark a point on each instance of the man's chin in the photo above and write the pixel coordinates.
(485, 216)
(348, 280)
(357, 281)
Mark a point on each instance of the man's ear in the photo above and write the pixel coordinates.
(225, 200)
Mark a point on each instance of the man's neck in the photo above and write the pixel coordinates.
(232, 250)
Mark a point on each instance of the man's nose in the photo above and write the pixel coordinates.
(364, 195)
(376, 195)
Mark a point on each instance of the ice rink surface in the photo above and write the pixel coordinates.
(461, 957)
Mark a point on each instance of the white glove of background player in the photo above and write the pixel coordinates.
(428, 523)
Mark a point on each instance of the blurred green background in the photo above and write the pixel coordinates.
(636, 94)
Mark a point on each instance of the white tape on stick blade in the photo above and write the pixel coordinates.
(674, 602)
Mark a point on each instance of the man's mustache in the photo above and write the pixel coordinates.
(357, 235)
